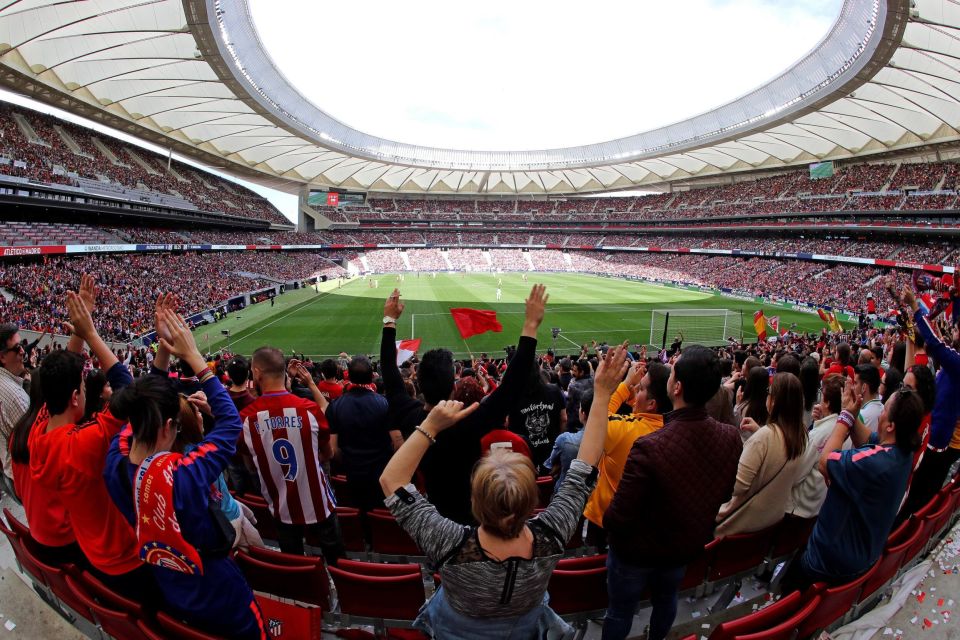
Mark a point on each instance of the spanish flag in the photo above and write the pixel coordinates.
(823, 315)
(834, 323)
(760, 324)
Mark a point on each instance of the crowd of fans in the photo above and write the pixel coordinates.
(204, 281)
(659, 452)
(34, 146)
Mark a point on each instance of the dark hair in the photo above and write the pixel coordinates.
(869, 374)
(810, 381)
(60, 374)
(892, 380)
(270, 361)
(843, 354)
(926, 385)
(698, 370)
(7, 331)
(329, 368)
(833, 391)
(586, 399)
(147, 404)
(899, 357)
(740, 356)
(238, 371)
(906, 412)
(583, 366)
(95, 383)
(755, 395)
(787, 413)
(360, 370)
(20, 434)
(659, 374)
(788, 363)
(435, 375)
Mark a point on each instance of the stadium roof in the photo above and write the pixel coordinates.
(192, 75)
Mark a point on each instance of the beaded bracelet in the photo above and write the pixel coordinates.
(426, 435)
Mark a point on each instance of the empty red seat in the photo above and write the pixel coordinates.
(584, 562)
(739, 553)
(378, 568)
(890, 562)
(578, 591)
(121, 625)
(764, 618)
(56, 579)
(286, 559)
(379, 597)
(545, 485)
(786, 630)
(306, 583)
(389, 537)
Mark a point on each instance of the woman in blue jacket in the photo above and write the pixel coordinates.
(172, 499)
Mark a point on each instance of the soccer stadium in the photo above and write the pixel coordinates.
(599, 321)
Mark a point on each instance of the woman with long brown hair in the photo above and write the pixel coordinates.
(769, 463)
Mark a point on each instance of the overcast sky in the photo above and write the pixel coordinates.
(509, 74)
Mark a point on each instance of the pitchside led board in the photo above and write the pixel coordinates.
(820, 170)
(334, 198)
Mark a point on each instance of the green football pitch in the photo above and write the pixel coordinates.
(330, 319)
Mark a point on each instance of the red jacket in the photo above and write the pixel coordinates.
(69, 460)
(675, 479)
(46, 515)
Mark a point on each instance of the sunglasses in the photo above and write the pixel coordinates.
(17, 348)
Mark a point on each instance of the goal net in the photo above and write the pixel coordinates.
(710, 327)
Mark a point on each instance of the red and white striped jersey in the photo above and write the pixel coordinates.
(283, 433)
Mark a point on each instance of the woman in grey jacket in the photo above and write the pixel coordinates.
(495, 576)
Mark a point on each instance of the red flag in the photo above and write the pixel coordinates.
(406, 349)
(823, 315)
(471, 322)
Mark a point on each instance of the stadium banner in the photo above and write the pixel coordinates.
(45, 250)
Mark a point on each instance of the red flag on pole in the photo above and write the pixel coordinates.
(471, 322)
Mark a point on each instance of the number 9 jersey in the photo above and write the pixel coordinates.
(285, 434)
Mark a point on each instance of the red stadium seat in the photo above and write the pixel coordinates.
(740, 553)
(120, 625)
(583, 562)
(350, 529)
(696, 572)
(578, 592)
(380, 598)
(545, 485)
(765, 618)
(56, 579)
(786, 630)
(29, 562)
(285, 559)
(389, 538)
(835, 603)
(305, 583)
(378, 568)
(15, 544)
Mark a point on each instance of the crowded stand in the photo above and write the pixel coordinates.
(608, 472)
(45, 149)
(205, 281)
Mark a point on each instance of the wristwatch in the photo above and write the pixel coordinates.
(389, 320)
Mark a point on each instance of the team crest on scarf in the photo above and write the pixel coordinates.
(158, 530)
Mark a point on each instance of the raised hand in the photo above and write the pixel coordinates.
(637, 371)
(446, 414)
(88, 292)
(749, 425)
(393, 307)
(851, 401)
(908, 298)
(536, 307)
(199, 400)
(613, 366)
(81, 322)
(175, 336)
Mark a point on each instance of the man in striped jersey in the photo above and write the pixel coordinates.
(288, 439)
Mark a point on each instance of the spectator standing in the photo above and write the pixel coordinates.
(665, 507)
(288, 439)
(567, 444)
(14, 401)
(329, 386)
(540, 416)
(360, 435)
(238, 372)
(582, 381)
(650, 401)
(447, 466)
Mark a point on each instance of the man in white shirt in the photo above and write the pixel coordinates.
(14, 401)
(867, 385)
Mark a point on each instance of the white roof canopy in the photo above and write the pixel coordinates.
(192, 75)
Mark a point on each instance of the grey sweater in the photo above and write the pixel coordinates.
(478, 586)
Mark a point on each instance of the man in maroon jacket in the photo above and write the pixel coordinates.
(665, 509)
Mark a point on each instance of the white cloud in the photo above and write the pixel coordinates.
(522, 75)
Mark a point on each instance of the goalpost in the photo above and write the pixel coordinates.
(709, 327)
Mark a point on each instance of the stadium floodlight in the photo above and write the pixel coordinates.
(709, 327)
